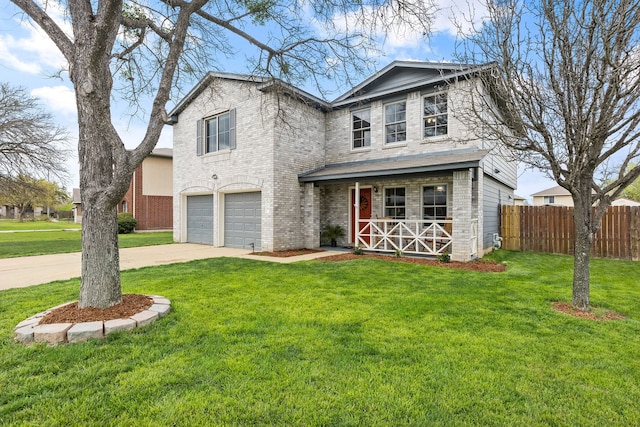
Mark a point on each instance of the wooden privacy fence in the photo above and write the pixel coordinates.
(551, 229)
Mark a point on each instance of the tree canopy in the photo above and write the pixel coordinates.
(30, 141)
(146, 50)
(25, 191)
(566, 79)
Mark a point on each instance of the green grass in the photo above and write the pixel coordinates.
(12, 224)
(57, 242)
(363, 342)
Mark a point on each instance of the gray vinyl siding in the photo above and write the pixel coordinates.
(495, 193)
(398, 79)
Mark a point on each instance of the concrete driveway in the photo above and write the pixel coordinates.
(35, 270)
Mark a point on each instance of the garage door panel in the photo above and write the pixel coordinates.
(242, 226)
(200, 219)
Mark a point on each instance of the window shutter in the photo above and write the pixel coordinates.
(199, 142)
(232, 129)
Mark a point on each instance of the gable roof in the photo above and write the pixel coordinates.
(396, 78)
(405, 76)
(264, 84)
(553, 191)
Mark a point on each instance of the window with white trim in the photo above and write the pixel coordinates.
(395, 202)
(216, 133)
(434, 202)
(361, 128)
(549, 200)
(395, 122)
(435, 115)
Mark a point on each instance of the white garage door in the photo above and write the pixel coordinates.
(200, 219)
(242, 220)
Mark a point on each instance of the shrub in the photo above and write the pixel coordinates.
(332, 233)
(444, 257)
(357, 250)
(126, 223)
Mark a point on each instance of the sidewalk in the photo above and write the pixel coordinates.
(29, 271)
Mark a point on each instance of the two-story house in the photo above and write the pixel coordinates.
(261, 164)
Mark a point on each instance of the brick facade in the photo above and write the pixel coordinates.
(153, 212)
(279, 137)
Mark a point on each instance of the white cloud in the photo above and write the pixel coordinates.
(456, 17)
(60, 99)
(12, 61)
(28, 49)
(453, 18)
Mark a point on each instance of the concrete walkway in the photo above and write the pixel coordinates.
(35, 270)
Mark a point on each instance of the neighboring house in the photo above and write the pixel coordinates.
(624, 202)
(261, 164)
(6, 211)
(77, 206)
(150, 194)
(519, 200)
(556, 196)
(559, 196)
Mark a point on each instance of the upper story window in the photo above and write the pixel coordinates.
(434, 202)
(217, 133)
(395, 122)
(361, 128)
(394, 202)
(434, 115)
(549, 200)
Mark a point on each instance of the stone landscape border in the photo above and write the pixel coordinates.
(30, 330)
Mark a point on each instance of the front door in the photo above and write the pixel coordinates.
(365, 210)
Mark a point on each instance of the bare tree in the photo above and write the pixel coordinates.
(30, 141)
(144, 49)
(566, 81)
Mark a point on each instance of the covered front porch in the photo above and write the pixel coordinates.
(423, 212)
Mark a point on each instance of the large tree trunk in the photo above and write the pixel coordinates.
(100, 286)
(100, 283)
(583, 221)
(101, 187)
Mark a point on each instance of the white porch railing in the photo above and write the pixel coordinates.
(409, 236)
(473, 251)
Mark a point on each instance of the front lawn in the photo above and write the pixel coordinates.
(12, 224)
(363, 342)
(57, 242)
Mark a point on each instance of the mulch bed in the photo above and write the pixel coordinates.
(289, 252)
(603, 316)
(477, 265)
(131, 304)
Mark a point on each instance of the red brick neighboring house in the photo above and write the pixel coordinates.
(150, 194)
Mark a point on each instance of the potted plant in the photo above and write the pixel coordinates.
(333, 233)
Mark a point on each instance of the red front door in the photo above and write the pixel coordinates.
(365, 210)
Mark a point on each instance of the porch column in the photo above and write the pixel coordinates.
(311, 215)
(478, 209)
(356, 222)
(462, 215)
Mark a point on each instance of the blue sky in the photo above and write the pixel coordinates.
(29, 59)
